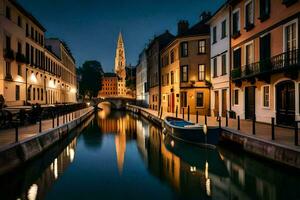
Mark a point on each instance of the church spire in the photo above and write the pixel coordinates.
(120, 60)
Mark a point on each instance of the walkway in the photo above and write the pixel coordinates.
(8, 136)
(283, 135)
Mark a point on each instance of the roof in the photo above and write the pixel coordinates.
(224, 5)
(110, 74)
(163, 40)
(27, 14)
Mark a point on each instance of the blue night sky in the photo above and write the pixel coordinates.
(91, 27)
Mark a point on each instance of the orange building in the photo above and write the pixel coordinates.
(185, 69)
(265, 59)
(109, 85)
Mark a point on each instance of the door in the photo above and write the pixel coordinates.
(285, 103)
(265, 52)
(172, 102)
(216, 111)
(249, 102)
(224, 102)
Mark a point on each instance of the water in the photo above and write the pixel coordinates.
(122, 155)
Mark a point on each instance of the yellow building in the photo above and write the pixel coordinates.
(185, 70)
(32, 71)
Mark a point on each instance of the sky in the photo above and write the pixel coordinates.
(91, 27)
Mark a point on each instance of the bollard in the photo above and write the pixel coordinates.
(296, 133)
(17, 134)
(220, 121)
(238, 123)
(273, 128)
(226, 118)
(205, 119)
(182, 113)
(188, 113)
(176, 111)
(197, 120)
(253, 125)
(40, 125)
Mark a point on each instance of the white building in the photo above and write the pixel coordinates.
(30, 72)
(142, 93)
(220, 65)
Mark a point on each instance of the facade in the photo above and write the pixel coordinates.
(29, 72)
(142, 93)
(220, 61)
(109, 85)
(185, 70)
(265, 60)
(153, 68)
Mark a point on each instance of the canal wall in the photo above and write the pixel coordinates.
(281, 154)
(14, 155)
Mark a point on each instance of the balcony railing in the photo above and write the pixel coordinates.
(9, 54)
(20, 58)
(278, 63)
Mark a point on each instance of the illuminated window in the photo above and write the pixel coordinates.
(184, 49)
(183, 99)
(201, 72)
(201, 46)
(266, 96)
(184, 73)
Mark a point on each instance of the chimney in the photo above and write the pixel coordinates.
(205, 16)
(183, 27)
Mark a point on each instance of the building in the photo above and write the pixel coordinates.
(109, 85)
(153, 68)
(114, 84)
(142, 92)
(185, 69)
(265, 60)
(30, 72)
(220, 61)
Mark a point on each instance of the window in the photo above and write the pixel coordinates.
(184, 73)
(224, 71)
(214, 36)
(167, 76)
(38, 93)
(184, 49)
(215, 65)
(266, 96)
(32, 33)
(237, 58)
(33, 93)
(8, 43)
(19, 47)
(249, 57)
(19, 70)
(236, 23)
(27, 30)
(264, 11)
(172, 77)
(200, 99)
(172, 56)
(17, 92)
(201, 72)
(290, 37)
(201, 46)
(7, 13)
(224, 31)
(29, 93)
(19, 21)
(249, 15)
(183, 99)
(236, 97)
(8, 69)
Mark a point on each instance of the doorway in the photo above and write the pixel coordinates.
(249, 102)
(224, 102)
(285, 103)
(216, 111)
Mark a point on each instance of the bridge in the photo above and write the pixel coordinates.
(115, 101)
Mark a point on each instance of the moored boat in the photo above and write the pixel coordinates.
(191, 133)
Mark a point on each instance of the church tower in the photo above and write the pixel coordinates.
(120, 60)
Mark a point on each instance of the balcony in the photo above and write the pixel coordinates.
(8, 54)
(285, 62)
(20, 58)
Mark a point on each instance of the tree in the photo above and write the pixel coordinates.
(90, 76)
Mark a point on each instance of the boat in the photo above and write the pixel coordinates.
(197, 156)
(192, 133)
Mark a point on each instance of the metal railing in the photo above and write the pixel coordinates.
(278, 63)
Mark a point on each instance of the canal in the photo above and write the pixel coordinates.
(122, 155)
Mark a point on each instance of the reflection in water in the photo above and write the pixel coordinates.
(187, 171)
